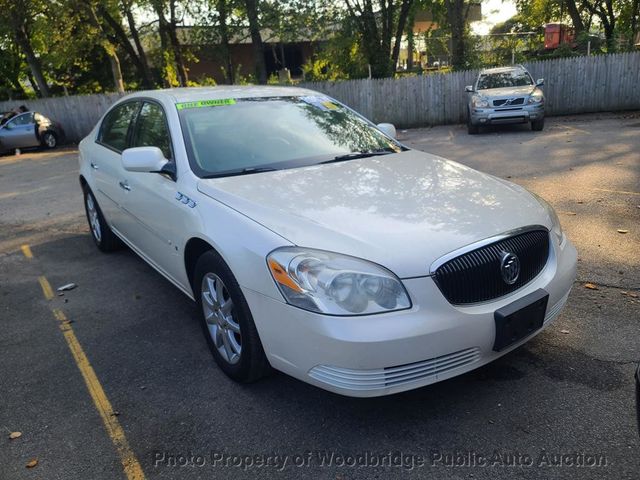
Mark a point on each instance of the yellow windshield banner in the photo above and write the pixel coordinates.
(206, 103)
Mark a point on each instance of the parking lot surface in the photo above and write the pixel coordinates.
(562, 406)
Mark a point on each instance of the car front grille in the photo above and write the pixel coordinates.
(503, 101)
(476, 276)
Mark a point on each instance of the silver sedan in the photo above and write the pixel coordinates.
(29, 129)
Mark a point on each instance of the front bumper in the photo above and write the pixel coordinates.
(373, 355)
(498, 116)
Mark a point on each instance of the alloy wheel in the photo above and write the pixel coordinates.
(50, 140)
(218, 310)
(94, 220)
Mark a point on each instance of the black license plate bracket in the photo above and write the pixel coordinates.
(520, 319)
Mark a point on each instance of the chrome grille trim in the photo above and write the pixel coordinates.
(393, 376)
(474, 276)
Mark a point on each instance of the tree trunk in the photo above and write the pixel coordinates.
(256, 41)
(22, 39)
(456, 17)
(175, 44)
(109, 49)
(402, 21)
(118, 83)
(166, 53)
(133, 29)
(576, 19)
(224, 41)
(123, 41)
(635, 12)
(410, 36)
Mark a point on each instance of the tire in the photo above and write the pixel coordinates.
(471, 128)
(537, 125)
(49, 140)
(230, 332)
(103, 237)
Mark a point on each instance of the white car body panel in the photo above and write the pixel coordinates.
(403, 211)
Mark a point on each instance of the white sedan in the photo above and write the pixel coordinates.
(316, 244)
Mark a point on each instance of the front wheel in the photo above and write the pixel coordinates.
(227, 321)
(49, 140)
(471, 128)
(537, 125)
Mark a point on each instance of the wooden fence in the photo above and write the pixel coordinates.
(572, 85)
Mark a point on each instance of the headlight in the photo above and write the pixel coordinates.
(335, 284)
(556, 228)
(536, 97)
(479, 102)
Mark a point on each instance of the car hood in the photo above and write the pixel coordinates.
(507, 92)
(402, 210)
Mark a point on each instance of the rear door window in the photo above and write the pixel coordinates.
(115, 127)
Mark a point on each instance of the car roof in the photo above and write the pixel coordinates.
(190, 94)
(503, 69)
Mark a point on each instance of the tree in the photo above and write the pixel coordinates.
(607, 13)
(457, 13)
(171, 55)
(107, 45)
(20, 15)
(378, 25)
(256, 40)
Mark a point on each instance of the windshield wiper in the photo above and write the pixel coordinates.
(356, 155)
(242, 171)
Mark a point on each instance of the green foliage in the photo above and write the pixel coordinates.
(339, 58)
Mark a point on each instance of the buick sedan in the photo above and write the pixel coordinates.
(316, 244)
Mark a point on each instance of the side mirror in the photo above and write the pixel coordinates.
(540, 82)
(468, 88)
(143, 159)
(388, 128)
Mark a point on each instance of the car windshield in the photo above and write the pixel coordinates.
(234, 136)
(511, 78)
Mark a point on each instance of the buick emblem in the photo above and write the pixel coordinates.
(509, 267)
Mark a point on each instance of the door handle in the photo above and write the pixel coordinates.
(124, 185)
(94, 166)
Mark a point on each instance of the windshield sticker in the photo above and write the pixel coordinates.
(206, 103)
(323, 103)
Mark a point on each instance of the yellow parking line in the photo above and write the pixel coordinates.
(26, 250)
(46, 287)
(132, 468)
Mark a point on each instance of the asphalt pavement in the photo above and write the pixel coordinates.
(562, 406)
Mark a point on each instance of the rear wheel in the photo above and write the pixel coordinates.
(49, 140)
(537, 125)
(227, 321)
(102, 235)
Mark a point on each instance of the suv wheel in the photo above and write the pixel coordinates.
(537, 125)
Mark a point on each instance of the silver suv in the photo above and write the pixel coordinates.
(505, 95)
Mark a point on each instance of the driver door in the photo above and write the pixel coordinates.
(19, 132)
(154, 220)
